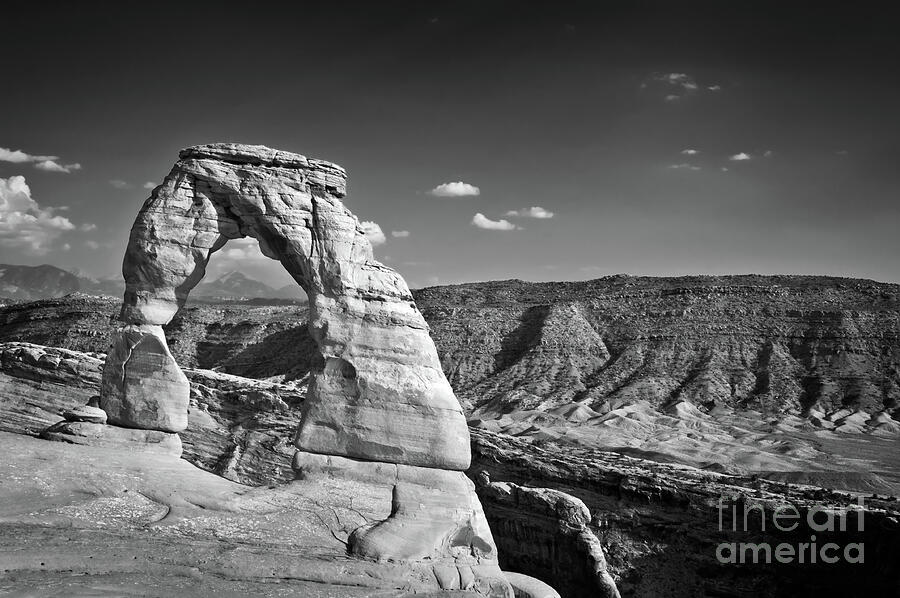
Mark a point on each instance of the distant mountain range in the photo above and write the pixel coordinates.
(30, 283)
(236, 285)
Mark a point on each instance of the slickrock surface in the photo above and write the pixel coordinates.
(92, 521)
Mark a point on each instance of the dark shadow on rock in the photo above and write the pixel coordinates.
(522, 338)
(289, 353)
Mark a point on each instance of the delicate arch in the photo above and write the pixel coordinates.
(377, 391)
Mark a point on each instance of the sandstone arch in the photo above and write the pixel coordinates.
(377, 393)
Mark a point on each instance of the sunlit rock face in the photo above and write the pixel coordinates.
(377, 391)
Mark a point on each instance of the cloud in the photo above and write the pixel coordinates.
(120, 184)
(24, 224)
(842, 152)
(482, 221)
(532, 212)
(245, 248)
(87, 227)
(45, 163)
(20, 157)
(740, 157)
(149, 185)
(399, 234)
(689, 152)
(682, 80)
(673, 87)
(768, 154)
(457, 189)
(92, 244)
(684, 166)
(53, 166)
(373, 232)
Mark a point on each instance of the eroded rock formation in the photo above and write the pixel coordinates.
(378, 407)
(377, 390)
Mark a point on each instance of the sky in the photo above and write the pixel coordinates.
(486, 140)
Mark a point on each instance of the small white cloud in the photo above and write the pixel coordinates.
(457, 189)
(399, 234)
(149, 185)
(689, 152)
(92, 244)
(87, 227)
(682, 79)
(740, 157)
(20, 157)
(373, 232)
(66, 247)
(246, 250)
(45, 163)
(842, 152)
(532, 212)
(52, 166)
(120, 184)
(482, 221)
(768, 154)
(724, 169)
(684, 166)
(675, 86)
(24, 224)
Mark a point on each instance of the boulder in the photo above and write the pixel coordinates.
(142, 386)
(129, 439)
(86, 413)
